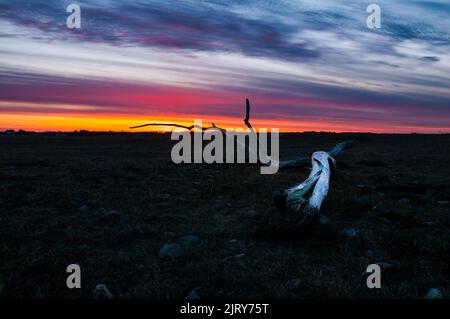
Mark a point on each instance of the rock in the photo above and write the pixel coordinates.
(83, 209)
(233, 241)
(404, 201)
(192, 295)
(368, 187)
(428, 223)
(324, 228)
(381, 209)
(248, 212)
(388, 266)
(238, 256)
(349, 233)
(170, 251)
(108, 216)
(72, 232)
(434, 293)
(370, 254)
(351, 238)
(442, 202)
(293, 284)
(102, 292)
(324, 221)
(188, 241)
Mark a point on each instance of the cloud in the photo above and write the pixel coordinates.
(295, 58)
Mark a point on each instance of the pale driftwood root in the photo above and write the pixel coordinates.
(304, 200)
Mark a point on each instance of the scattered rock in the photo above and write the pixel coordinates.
(324, 228)
(368, 187)
(238, 256)
(381, 209)
(192, 295)
(170, 251)
(83, 209)
(434, 293)
(293, 284)
(404, 201)
(102, 292)
(388, 266)
(220, 203)
(108, 216)
(188, 241)
(233, 241)
(442, 202)
(351, 238)
(349, 233)
(72, 232)
(324, 221)
(248, 212)
(428, 223)
(370, 254)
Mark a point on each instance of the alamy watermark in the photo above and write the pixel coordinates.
(73, 21)
(374, 19)
(228, 146)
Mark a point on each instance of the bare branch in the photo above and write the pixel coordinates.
(247, 114)
(305, 161)
(189, 128)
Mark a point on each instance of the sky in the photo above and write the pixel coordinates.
(305, 65)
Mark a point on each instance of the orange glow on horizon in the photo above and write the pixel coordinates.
(122, 123)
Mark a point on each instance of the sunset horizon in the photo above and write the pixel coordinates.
(304, 65)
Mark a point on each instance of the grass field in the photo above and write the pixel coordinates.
(109, 202)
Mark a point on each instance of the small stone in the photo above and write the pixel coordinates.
(324, 228)
(239, 256)
(233, 241)
(170, 251)
(442, 202)
(386, 266)
(293, 284)
(370, 254)
(192, 295)
(188, 241)
(102, 292)
(248, 212)
(72, 232)
(428, 223)
(362, 186)
(381, 209)
(434, 293)
(324, 221)
(404, 201)
(349, 233)
(83, 208)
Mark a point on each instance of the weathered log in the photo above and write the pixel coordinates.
(305, 199)
(305, 161)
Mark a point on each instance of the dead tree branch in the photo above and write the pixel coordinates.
(305, 199)
(189, 128)
(305, 161)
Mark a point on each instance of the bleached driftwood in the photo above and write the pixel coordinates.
(304, 161)
(306, 198)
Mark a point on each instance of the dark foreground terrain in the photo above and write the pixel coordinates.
(110, 202)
